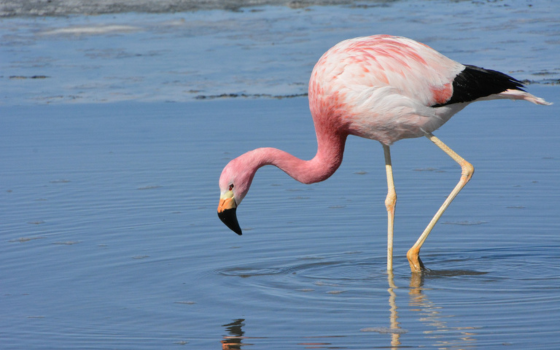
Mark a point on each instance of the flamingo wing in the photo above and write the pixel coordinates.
(408, 68)
(475, 82)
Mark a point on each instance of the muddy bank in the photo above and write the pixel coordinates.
(12, 8)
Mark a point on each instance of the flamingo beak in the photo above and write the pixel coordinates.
(227, 212)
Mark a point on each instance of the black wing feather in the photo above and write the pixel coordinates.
(475, 82)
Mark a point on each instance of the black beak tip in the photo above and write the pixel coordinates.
(229, 218)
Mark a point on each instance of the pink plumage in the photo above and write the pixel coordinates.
(383, 88)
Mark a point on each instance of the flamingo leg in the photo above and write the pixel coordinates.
(390, 203)
(416, 264)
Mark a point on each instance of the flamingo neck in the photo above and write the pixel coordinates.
(330, 149)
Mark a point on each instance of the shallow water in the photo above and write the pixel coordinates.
(263, 50)
(110, 237)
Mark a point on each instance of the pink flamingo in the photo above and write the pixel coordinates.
(383, 88)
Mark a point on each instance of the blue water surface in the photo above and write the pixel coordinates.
(109, 237)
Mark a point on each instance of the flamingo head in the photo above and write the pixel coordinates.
(235, 181)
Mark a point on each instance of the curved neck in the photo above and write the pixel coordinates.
(330, 149)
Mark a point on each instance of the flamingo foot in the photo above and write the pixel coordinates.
(413, 256)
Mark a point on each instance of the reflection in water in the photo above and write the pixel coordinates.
(394, 329)
(233, 340)
(432, 316)
(395, 336)
(445, 337)
(438, 330)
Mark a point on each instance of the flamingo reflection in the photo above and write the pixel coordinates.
(431, 315)
(235, 337)
(394, 316)
(437, 326)
(234, 341)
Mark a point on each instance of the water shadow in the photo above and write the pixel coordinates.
(449, 273)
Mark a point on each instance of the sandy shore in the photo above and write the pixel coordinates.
(11, 8)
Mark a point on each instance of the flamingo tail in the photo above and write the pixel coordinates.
(522, 95)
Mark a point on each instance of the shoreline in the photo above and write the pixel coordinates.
(50, 8)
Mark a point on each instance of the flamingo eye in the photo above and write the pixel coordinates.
(231, 187)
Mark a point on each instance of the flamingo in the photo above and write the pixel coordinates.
(383, 88)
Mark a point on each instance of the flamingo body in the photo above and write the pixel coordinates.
(387, 88)
(380, 87)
